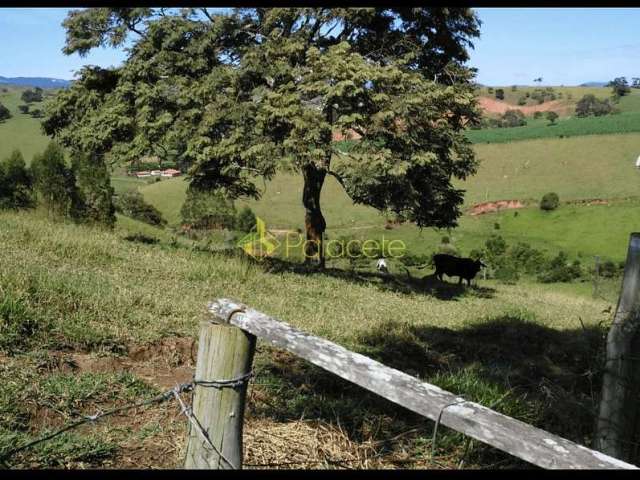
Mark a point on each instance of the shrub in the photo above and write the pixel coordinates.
(55, 183)
(133, 205)
(5, 114)
(513, 118)
(500, 94)
(30, 96)
(208, 210)
(94, 187)
(23, 109)
(527, 259)
(522, 101)
(537, 115)
(590, 105)
(496, 226)
(560, 270)
(16, 183)
(142, 238)
(552, 117)
(445, 239)
(550, 201)
(608, 269)
(246, 220)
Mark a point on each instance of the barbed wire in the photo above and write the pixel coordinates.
(163, 397)
(173, 393)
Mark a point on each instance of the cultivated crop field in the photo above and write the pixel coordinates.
(626, 122)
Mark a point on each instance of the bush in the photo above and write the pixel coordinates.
(55, 183)
(93, 183)
(552, 117)
(24, 109)
(513, 118)
(550, 201)
(500, 94)
(527, 259)
(590, 105)
(608, 269)
(133, 205)
(16, 183)
(5, 114)
(208, 210)
(522, 101)
(246, 220)
(30, 96)
(560, 270)
(537, 115)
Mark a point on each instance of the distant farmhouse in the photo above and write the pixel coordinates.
(169, 172)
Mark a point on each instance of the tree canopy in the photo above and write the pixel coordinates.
(234, 97)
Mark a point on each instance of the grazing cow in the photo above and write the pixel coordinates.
(456, 267)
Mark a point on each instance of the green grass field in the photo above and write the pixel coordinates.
(626, 122)
(84, 292)
(71, 293)
(21, 131)
(523, 170)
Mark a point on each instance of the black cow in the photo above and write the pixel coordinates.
(456, 267)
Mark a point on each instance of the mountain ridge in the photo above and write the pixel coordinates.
(42, 82)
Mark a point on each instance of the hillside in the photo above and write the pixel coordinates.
(21, 131)
(42, 82)
(92, 304)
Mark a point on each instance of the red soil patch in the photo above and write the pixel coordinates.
(337, 136)
(491, 207)
(491, 105)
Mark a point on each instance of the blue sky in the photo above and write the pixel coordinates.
(564, 46)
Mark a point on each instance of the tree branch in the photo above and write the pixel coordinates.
(206, 14)
(338, 177)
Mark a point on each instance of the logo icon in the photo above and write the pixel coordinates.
(259, 243)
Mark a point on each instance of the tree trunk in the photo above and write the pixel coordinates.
(314, 222)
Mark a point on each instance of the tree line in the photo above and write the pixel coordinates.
(80, 191)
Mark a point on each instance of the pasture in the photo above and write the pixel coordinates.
(93, 303)
(20, 131)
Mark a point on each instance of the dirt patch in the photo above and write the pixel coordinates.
(492, 207)
(491, 105)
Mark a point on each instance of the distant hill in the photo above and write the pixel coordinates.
(594, 84)
(42, 82)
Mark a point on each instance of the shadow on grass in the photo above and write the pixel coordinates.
(403, 283)
(542, 376)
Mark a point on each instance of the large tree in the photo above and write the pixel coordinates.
(238, 95)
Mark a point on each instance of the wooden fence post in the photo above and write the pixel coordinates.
(618, 425)
(225, 352)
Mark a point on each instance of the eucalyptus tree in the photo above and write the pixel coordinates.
(237, 95)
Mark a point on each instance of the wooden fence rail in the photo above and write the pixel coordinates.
(505, 433)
